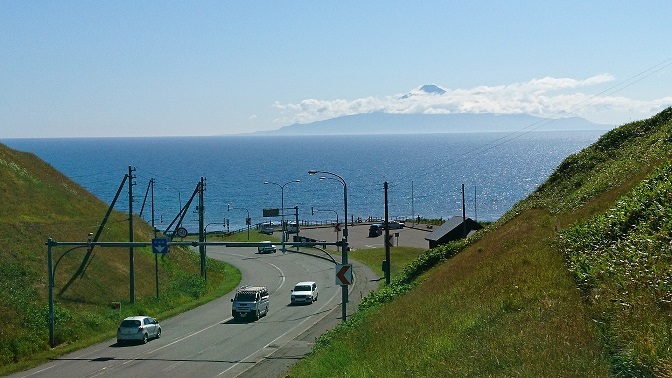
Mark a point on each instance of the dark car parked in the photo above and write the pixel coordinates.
(375, 230)
(394, 225)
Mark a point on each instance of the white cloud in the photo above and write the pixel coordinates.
(545, 97)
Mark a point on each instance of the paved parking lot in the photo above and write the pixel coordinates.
(358, 237)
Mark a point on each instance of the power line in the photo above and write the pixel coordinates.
(572, 110)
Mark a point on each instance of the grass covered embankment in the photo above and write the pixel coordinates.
(37, 202)
(572, 282)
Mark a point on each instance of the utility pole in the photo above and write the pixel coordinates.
(464, 215)
(475, 211)
(156, 256)
(50, 265)
(296, 213)
(387, 238)
(201, 235)
(130, 234)
(151, 183)
(412, 204)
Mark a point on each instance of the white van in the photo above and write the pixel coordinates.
(292, 228)
(250, 302)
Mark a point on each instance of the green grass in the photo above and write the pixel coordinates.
(399, 258)
(625, 255)
(486, 311)
(572, 282)
(40, 203)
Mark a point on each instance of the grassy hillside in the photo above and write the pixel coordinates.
(36, 203)
(575, 281)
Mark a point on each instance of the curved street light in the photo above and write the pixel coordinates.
(52, 274)
(345, 196)
(344, 248)
(179, 199)
(337, 223)
(179, 195)
(282, 205)
(247, 220)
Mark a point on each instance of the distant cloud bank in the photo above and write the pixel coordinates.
(546, 97)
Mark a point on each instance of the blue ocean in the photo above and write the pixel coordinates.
(425, 173)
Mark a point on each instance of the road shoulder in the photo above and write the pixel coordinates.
(278, 363)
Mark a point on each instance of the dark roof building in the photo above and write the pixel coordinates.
(453, 229)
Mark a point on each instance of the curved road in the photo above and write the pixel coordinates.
(206, 342)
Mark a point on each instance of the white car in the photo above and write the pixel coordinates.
(139, 329)
(269, 248)
(394, 225)
(304, 292)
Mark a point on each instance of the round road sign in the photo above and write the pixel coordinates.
(182, 232)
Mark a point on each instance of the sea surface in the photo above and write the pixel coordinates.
(425, 173)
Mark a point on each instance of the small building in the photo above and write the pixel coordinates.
(453, 229)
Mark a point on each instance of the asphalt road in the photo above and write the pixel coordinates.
(358, 236)
(206, 342)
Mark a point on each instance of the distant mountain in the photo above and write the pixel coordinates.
(385, 123)
(426, 89)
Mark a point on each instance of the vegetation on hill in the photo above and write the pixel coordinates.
(574, 281)
(622, 262)
(37, 203)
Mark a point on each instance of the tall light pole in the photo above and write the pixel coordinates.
(345, 196)
(344, 251)
(247, 220)
(52, 273)
(179, 198)
(337, 223)
(282, 205)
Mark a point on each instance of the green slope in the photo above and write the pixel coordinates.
(572, 282)
(36, 203)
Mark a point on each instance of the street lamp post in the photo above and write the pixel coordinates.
(179, 198)
(247, 220)
(337, 223)
(344, 249)
(52, 273)
(179, 195)
(345, 196)
(282, 205)
(205, 234)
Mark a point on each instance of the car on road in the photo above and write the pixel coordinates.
(375, 229)
(267, 229)
(304, 292)
(270, 248)
(292, 228)
(138, 329)
(394, 225)
(250, 301)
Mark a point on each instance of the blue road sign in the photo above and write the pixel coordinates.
(160, 245)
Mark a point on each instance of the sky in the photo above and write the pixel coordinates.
(200, 68)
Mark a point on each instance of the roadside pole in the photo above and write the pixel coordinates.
(201, 236)
(50, 266)
(296, 214)
(387, 240)
(131, 254)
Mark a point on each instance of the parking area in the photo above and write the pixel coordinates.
(358, 237)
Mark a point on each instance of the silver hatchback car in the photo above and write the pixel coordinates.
(139, 329)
